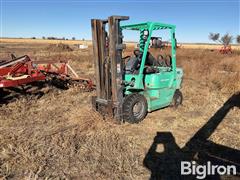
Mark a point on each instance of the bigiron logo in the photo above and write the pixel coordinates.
(201, 171)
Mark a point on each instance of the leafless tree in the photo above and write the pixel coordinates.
(238, 39)
(225, 39)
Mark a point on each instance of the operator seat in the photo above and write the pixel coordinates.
(150, 59)
(134, 63)
(150, 63)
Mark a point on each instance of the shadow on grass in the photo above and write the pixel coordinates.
(34, 90)
(166, 164)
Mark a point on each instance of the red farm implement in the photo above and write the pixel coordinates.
(22, 71)
(225, 50)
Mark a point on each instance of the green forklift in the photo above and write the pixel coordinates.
(127, 88)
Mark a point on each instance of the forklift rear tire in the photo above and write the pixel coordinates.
(177, 99)
(134, 108)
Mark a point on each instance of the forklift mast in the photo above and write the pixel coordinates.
(107, 54)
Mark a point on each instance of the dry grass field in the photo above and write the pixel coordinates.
(88, 42)
(58, 136)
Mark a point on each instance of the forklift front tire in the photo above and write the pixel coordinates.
(134, 108)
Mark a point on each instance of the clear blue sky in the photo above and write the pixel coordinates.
(193, 19)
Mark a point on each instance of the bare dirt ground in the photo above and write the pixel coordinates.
(58, 135)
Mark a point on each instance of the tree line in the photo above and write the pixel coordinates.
(55, 38)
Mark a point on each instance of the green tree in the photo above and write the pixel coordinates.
(214, 36)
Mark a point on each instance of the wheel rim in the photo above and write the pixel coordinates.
(138, 109)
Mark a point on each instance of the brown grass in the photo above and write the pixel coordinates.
(59, 136)
(89, 42)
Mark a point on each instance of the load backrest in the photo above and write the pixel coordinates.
(107, 52)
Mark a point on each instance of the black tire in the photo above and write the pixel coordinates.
(177, 99)
(161, 61)
(134, 108)
(168, 61)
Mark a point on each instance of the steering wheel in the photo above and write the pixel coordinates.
(136, 52)
(126, 57)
